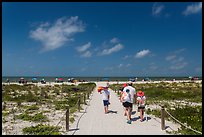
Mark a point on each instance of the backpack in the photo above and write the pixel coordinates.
(126, 97)
(142, 100)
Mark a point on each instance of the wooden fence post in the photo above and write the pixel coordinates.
(88, 95)
(79, 103)
(162, 118)
(67, 119)
(84, 98)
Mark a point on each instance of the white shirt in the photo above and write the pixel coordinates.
(132, 92)
(105, 94)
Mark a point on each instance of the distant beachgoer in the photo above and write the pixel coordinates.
(133, 96)
(141, 103)
(7, 80)
(105, 97)
(107, 84)
(126, 99)
(117, 81)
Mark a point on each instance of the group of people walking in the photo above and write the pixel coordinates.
(128, 96)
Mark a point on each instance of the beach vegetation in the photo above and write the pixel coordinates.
(191, 116)
(28, 98)
(41, 129)
(31, 108)
(39, 117)
(177, 99)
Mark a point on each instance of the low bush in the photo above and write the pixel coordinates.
(41, 129)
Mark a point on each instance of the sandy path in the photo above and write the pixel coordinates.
(93, 121)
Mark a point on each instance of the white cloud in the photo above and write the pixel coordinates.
(83, 50)
(142, 53)
(193, 9)
(114, 40)
(152, 66)
(116, 48)
(178, 66)
(128, 65)
(126, 57)
(84, 47)
(179, 51)
(108, 68)
(86, 54)
(57, 34)
(157, 9)
(83, 69)
(120, 65)
(177, 62)
(198, 69)
(170, 57)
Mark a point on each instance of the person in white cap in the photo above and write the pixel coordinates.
(105, 97)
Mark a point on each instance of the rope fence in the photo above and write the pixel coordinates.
(77, 105)
(182, 123)
(67, 113)
(162, 118)
(163, 115)
(83, 113)
(62, 117)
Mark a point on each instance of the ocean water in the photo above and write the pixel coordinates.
(65, 79)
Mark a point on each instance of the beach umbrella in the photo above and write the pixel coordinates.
(60, 79)
(34, 78)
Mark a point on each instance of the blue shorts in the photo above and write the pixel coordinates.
(105, 102)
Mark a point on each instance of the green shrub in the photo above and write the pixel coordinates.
(31, 108)
(41, 129)
(190, 115)
(36, 118)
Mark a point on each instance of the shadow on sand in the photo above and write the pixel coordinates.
(111, 111)
(133, 112)
(138, 118)
(74, 129)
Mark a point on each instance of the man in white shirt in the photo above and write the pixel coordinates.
(133, 95)
(105, 97)
(126, 98)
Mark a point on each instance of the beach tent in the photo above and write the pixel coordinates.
(43, 81)
(146, 79)
(71, 80)
(132, 79)
(22, 80)
(59, 80)
(34, 80)
(105, 79)
(194, 78)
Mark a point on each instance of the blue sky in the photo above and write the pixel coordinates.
(102, 39)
